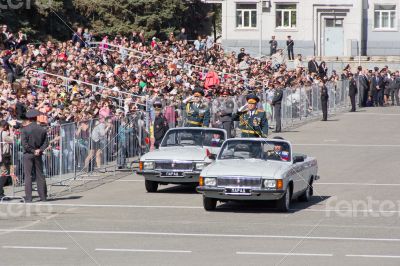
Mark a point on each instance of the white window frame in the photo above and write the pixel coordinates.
(283, 11)
(390, 27)
(243, 11)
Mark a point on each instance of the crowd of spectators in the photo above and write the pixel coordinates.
(125, 72)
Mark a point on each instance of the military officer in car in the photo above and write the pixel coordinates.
(197, 111)
(253, 122)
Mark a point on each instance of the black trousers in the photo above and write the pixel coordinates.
(277, 116)
(227, 125)
(353, 102)
(290, 53)
(34, 164)
(363, 97)
(324, 106)
(272, 51)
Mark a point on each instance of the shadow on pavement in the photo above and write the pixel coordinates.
(179, 189)
(65, 198)
(266, 206)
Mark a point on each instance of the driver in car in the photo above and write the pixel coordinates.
(278, 153)
(216, 140)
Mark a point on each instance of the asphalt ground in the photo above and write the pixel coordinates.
(353, 218)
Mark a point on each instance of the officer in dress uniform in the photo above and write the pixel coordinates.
(225, 112)
(277, 102)
(197, 112)
(34, 141)
(160, 124)
(253, 122)
(324, 100)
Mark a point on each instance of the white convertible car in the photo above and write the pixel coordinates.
(258, 169)
(183, 153)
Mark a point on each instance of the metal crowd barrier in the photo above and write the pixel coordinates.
(304, 103)
(299, 104)
(77, 150)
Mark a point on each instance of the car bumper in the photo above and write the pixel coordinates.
(256, 194)
(188, 177)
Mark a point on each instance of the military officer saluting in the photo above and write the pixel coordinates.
(253, 122)
(197, 112)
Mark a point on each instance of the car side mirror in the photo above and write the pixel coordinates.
(298, 159)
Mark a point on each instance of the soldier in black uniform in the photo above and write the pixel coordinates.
(225, 112)
(34, 141)
(352, 92)
(253, 123)
(324, 100)
(277, 103)
(198, 112)
(160, 124)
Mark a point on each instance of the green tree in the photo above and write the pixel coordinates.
(56, 18)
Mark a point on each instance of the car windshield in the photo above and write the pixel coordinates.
(255, 149)
(193, 137)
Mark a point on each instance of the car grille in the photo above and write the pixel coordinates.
(174, 166)
(239, 182)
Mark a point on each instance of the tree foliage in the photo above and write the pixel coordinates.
(56, 18)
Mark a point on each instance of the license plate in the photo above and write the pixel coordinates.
(171, 174)
(238, 190)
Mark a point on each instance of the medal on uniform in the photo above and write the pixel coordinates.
(256, 121)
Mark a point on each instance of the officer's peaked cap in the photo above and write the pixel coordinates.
(252, 98)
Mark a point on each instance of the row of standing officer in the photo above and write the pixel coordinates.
(252, 121)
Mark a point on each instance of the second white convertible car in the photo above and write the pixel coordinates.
(183, 153)
(258, 169)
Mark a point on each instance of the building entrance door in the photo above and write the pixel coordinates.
(333, 37)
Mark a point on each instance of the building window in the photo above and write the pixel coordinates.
(385, 17)
(246, 16)
(286, 16)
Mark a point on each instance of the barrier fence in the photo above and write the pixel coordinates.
(78, 149)
(300, 103)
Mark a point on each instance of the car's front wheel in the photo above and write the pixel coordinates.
(151, 186)
(209, 204)
(283, 204)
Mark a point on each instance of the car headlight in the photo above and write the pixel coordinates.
(200, 166)
(148, 165)
(270, 183)
(210, 181)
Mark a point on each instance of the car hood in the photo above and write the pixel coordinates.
(188, 153)
(251, 167)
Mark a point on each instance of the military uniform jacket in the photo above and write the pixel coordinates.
(197, 116)
(252, 124)
(34, 137)
(277, 97)
(226, 110)
(324, 93)
(160, 127)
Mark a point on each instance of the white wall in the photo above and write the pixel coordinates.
(307, 29)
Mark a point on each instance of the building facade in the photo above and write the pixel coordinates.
(318, 27)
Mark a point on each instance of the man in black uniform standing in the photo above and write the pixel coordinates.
(34, 141)
(273, 45)
(324, 100)
(277, 103)
(352, 92)
(290, 45)
(160, 124)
